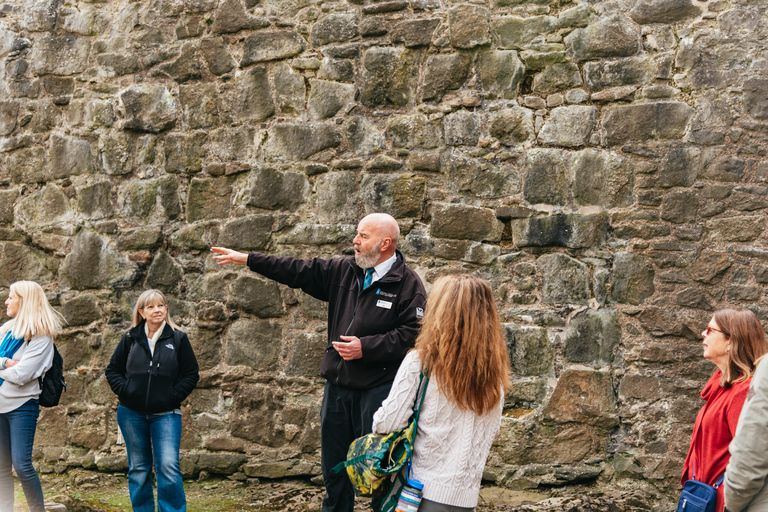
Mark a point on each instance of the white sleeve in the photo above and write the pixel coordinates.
(37, 358)
(396, 410)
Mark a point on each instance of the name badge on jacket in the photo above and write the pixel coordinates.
(383, 304)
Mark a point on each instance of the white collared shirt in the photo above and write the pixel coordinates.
(382, 268)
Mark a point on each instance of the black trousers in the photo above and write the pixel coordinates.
(346, 414)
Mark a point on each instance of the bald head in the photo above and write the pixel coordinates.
(376, 240)
(385, 226)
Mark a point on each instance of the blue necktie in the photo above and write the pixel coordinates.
(368, 278)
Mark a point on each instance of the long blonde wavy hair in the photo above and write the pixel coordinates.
(35, 316)
(461, 343)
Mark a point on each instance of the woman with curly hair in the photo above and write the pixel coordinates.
(461, 349)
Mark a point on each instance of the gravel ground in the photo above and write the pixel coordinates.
(85, 491)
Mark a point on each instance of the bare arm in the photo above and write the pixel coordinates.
(229, 256)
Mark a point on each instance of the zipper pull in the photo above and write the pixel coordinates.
(685, 502)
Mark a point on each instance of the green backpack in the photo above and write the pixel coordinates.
(374, 458)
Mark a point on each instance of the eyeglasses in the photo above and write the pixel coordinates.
(710, 329)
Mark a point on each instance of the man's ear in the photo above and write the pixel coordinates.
(386, 243)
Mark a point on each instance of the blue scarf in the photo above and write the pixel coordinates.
(9, 347)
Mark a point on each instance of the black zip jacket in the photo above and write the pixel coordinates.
(385, 316)
(152, 383)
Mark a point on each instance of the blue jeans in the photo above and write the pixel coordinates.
(148, 439)
(17, 435)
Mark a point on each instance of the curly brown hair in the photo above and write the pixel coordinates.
(461, 343)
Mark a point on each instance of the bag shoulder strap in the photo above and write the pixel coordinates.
(422, 380)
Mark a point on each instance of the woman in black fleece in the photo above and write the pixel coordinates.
(152, 371)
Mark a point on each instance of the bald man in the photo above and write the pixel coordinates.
(375, 303)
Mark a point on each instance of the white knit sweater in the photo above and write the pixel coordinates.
(451, 445)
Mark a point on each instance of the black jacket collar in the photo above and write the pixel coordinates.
(395, 273)
(138, 333)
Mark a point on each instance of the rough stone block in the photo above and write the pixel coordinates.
(253, 95)
(333, 28)
(8, 200)
(253, 414)
(680, 206)
(565, 279)
(592, 336)
(633, 278)
(185, 152)
(619, 72)
(512, 32)
(81, 309)
(742, 228)
(257, 296)
(646, 12)
(185, 67)
(28, 165)
(47, 207)
(444, 73)
(512, 126)
(289, 89)
(149, 108)
(389, 76)
(557, 77)
(253, 343)
(530, 351)
(755, 98)
(480, 177)
(547, 176)
(569, 126)
(93, 264)
(19, 262)
(708, 266)
(266, 46)
(164, 273)
(659, 120)
(251, 233)
(339, 70)
(501, 73)
(465, 222)
(316, 234)
(300, 141)
(276, 190)
(217, 56)
(583, 396)
(327, 98)
(415, 131)
(602, 178)
(610, 36)
(199, 106)
(231, 17)
(337, 198)
(59, 55)
(400, 195)
(561, 230)
(679, 167)
(461, 128)
(363, 137)
(151, 201)
(305, 355)
(414, 32)
(469, 26)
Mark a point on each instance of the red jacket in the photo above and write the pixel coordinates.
(713, 431)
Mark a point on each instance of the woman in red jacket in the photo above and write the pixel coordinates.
(734, 340)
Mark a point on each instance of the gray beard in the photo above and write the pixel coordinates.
(368, 260)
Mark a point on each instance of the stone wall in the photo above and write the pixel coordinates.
(602, 164)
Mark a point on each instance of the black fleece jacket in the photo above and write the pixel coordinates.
(152, 383)
(385, 316)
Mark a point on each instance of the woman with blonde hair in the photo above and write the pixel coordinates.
(153, 369)
(734, 341)
(26, 353)
(461, 349)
